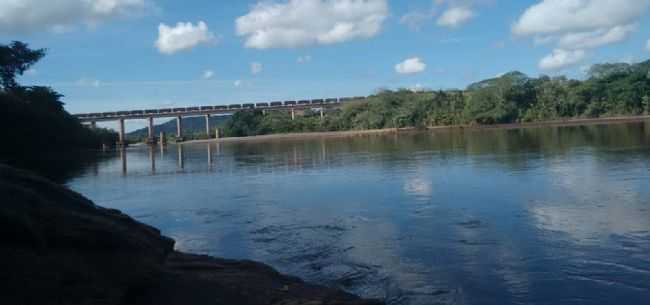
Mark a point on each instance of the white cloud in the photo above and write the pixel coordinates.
(256, 68)
(19, 16)
(237, 83)
(298, 23)
(562, 16)
(182, 37)
(303, 59)
(596, 38)
(455, 16)
(31, 72)
(415, 20)
(577, 25)
(88, 82)
(208, 74)
(410, 66)
(561, 58)
(647, 45)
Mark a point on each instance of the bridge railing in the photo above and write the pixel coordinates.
(224, 108)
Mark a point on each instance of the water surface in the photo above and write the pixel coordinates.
(557, 215)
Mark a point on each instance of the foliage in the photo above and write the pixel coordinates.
(15, 59)
(611, 89)
(34, 120)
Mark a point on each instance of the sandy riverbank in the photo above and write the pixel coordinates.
(353, 133)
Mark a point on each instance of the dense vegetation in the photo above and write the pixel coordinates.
(610, 90)
(34, 122)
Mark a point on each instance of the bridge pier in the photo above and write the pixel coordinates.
(179, 129)
(293, 114)
(122, 137)
(150, 138)
(162, 139)
(207, 125)
(93, 124)
(322, 115)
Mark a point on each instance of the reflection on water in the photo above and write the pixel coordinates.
(532, 216)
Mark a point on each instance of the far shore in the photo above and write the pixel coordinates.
(353, 133)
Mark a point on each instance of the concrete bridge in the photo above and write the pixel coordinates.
(207, 111)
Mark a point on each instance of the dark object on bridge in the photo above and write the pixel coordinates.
(234, 106)
(276, 104)
(179, 110)
(123, 112)
(304, 102)
(221, 107)
(207, 108)
(136, 112)
(60, 248)
(262, 105)
(359, 98)
(287, 103)
(109, 113)
(166, 110)
(151, 111)
(317, 101)
(192, 109)
(248, 106)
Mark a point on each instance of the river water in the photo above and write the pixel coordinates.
(556, 215)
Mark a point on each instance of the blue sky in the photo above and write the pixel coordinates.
(103, 56)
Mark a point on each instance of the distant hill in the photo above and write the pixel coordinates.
(193, 127)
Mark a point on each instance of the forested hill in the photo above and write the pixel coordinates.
(610, 90)
(193, 128)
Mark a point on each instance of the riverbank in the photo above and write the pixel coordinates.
(60, 248)
(353, 133)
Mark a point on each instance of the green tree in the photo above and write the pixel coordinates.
(15, 59)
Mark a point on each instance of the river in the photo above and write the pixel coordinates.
(553, 215)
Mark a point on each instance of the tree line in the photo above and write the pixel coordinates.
(34, 121)
(609, 90)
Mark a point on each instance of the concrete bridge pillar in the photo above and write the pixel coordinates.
(122, 137)
(93, 124)
(179, 128)
(293, 114)
(150, 138)
(322, 115)
(207, 125)
(217, 134)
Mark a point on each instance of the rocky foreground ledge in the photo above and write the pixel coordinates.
(59, 248)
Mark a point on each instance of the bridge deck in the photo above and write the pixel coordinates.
(219, 109)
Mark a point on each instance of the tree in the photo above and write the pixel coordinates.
(15, 59)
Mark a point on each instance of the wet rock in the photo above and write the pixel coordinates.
(59, 248)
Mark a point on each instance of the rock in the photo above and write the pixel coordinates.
(60, 248)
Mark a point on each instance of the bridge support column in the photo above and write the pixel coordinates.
(293, 114)
(217, 134)
(207, 125)
(150, 138)
(322, 115)
(121, 133)
(179, 129)
(93, 124)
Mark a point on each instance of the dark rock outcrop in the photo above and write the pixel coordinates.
(60, 248)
